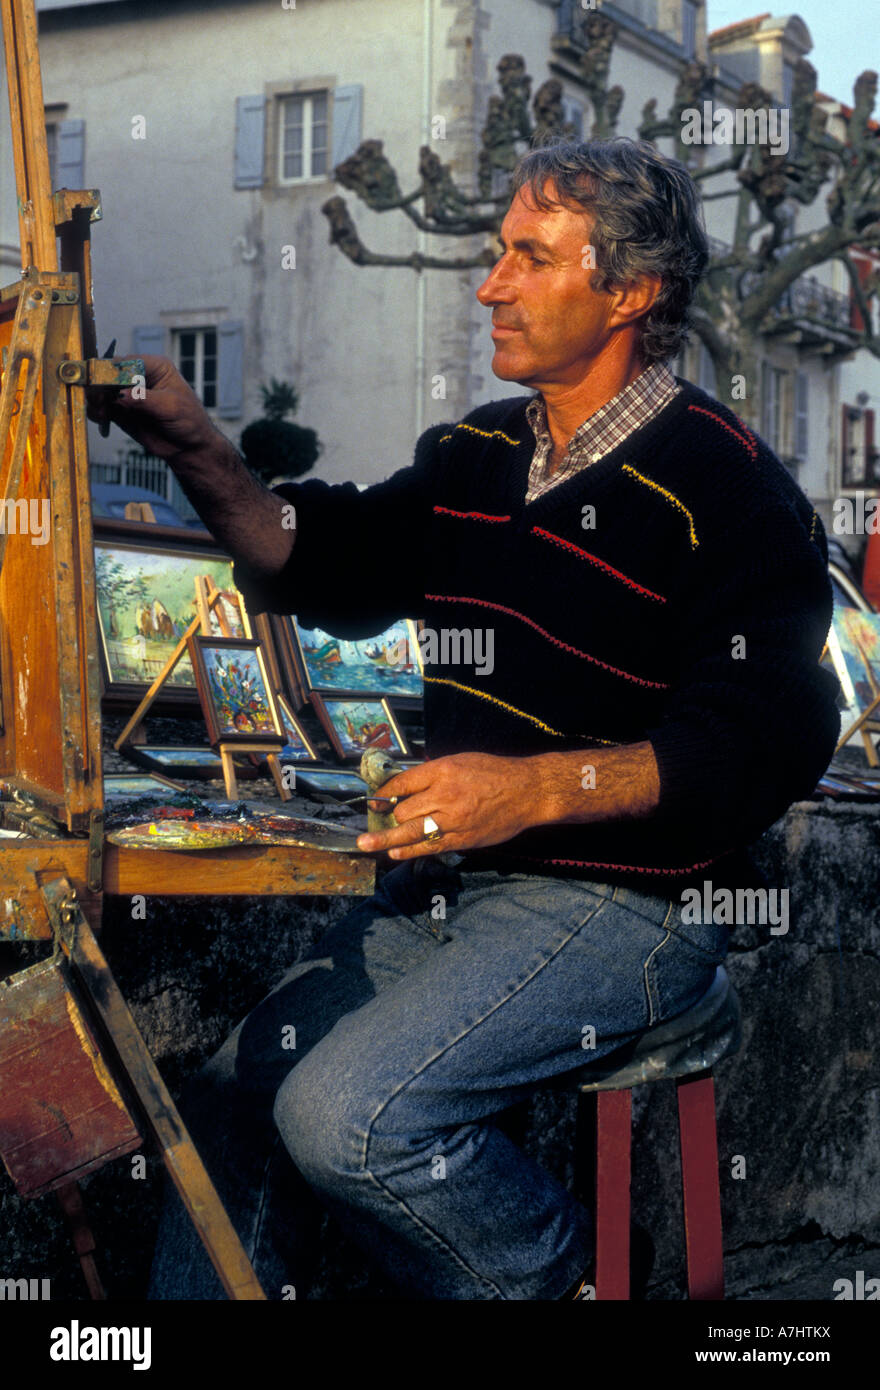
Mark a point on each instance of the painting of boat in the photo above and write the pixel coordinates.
(327, 654)
(386, 664)
(354, 725)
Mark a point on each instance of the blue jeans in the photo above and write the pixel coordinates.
(428, 1009)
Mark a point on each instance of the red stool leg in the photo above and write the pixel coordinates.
(613, 1139)
(700, 1186)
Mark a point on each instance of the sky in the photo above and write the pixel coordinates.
(844, 34)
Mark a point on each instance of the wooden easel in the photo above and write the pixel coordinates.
(50, 742)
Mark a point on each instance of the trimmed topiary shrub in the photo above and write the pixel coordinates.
(274, 447)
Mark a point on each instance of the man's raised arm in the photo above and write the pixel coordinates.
(167, 419)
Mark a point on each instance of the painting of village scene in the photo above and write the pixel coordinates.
(354, 725)
(387, 664)
(233, 690)
(147, 600)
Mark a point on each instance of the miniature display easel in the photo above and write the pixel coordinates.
(207, 601)
(69, 1047)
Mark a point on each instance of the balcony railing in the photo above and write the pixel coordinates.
(805, 298)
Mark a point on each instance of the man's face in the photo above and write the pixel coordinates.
(549, 326)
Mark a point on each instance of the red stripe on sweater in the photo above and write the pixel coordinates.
(748, 442)
(594, 560)
(557, 641)
(597, 864)
(470, 516)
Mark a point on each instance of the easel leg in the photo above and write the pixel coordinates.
(275, 768)
(70, 1200)
(187, 1171)
(229, 774)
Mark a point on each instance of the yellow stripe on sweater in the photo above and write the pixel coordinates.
(484, 434)
(512, 709)
(670, 497)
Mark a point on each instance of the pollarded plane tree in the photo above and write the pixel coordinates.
(756, 287)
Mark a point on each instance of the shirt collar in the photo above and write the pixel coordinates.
(639, 400)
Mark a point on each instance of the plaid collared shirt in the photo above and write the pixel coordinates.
(614, 422)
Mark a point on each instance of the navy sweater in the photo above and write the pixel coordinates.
(675, 591)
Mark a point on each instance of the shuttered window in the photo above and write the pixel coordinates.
(209, 358)
(299, 135)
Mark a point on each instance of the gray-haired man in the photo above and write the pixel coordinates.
(656, 585)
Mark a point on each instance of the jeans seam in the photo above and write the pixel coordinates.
(661, 926)
(398, 1202)
(652, 994)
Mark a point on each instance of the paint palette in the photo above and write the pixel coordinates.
(213, 831)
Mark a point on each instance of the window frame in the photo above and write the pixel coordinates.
(308, 147)
(198, 386)
(275, 94)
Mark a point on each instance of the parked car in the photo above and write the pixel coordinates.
(110, 500)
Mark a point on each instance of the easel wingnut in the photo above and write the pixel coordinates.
(97, 371)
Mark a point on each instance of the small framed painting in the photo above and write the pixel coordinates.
(129, 784)
(190, 762)
(328, 781)
(234, 690)
(353, 724)
(388, 664)
(288, 657)
(297, 748)
(231, 604)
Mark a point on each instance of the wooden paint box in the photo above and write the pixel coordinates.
(62, 1114)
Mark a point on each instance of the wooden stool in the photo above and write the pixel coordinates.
(686, 1048)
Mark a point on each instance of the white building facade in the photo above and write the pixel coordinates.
(212, 130)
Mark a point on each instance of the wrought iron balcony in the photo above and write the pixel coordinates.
(818, 311)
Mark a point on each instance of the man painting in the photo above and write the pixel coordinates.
(656, 585)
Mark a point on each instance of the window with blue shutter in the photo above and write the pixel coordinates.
(347, 117)
(148, 340)
(230, 370)
(71, 154)
(250, 141)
